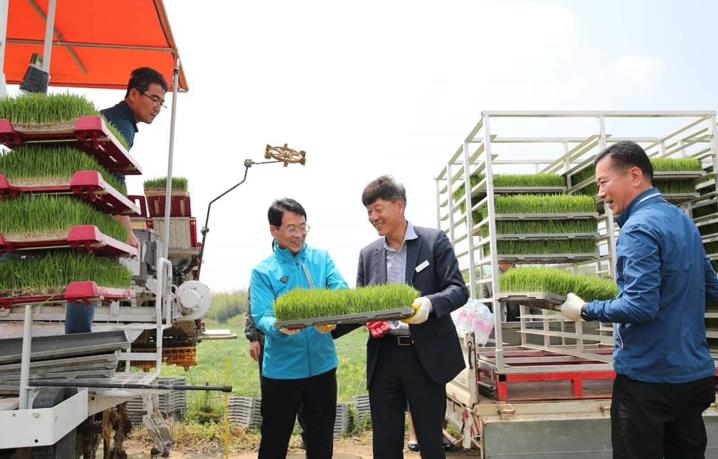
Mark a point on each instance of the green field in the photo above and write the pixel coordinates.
(227, 362)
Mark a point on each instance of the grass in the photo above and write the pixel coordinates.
(44, 109)
(558, 282)
(160, 184)
(227, 362)
(51, 273)
(306, 304)
(32, 215)
(39, 162)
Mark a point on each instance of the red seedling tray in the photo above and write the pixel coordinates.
(81, 237)
(77, 292)
(90, 133)
(87, 185)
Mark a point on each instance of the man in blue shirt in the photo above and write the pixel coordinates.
(143, 101)
(664, 371)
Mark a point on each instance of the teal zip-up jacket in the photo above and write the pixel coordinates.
(308, 353)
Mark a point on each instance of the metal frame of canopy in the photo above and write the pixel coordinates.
(93, 54)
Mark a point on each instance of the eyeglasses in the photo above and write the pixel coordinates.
(294, 230)
(156, 101)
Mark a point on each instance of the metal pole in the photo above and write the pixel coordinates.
(49, 34)
(25, 362)
(101, 385)
(4, 13)
(170, 161)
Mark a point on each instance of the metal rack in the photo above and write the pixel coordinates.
(561, 142)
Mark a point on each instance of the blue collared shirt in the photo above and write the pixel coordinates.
(664, 280)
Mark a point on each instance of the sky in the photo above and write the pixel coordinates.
(391, 87)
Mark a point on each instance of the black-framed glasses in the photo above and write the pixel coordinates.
(293, 230)
(156, 101)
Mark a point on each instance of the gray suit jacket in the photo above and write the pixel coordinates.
(431, 268)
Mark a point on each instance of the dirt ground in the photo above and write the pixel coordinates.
(345, 448)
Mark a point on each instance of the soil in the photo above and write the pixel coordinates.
(345, 448)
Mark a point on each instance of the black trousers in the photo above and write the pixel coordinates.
(399, 377)
(281, 401)
(655, 421)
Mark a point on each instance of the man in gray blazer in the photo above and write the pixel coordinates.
(415, 358)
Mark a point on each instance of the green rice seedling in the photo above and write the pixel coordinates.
(541, 204)
(580, 226)
(307, 304)
(160, 184)
(558, 282)
(546, 247)
(529, 180)
(34, 215)
(51, 273)
(45, 109)
(675, 186)
(589, 190)
(39, 162)
(676, 164)
(116, 132)
(585, 173)
(474, 179)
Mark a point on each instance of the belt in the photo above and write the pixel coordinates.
(401, 340)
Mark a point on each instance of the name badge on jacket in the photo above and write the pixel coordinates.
(421, 266)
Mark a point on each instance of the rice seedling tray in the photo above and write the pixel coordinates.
(65, 346)
(90, 133)
(677, 175)
(76, 292)
(680, 197)
(529, 189)
(542, 300)
(81, 237)
(545, 236)
(87, 185)
(548, 216)
(546, 258)
(356, 318)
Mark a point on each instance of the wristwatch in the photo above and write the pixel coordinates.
(584, 313)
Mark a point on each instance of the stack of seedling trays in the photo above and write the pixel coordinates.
(57, 198)
(83, 356)
(183, 227)
(245, 411)
(675, 178)
(542, 228)
(302, 308)
(172, 403)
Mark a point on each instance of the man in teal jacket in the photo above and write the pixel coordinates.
(298, 366)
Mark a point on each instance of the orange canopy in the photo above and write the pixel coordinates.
(96, 44)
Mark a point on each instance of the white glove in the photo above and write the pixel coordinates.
(571, 308)
(290, 331)
(422, 308)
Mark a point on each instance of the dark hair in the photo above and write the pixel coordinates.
(384, 187)
(279, 206)
(627, 154)
(141, 79)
